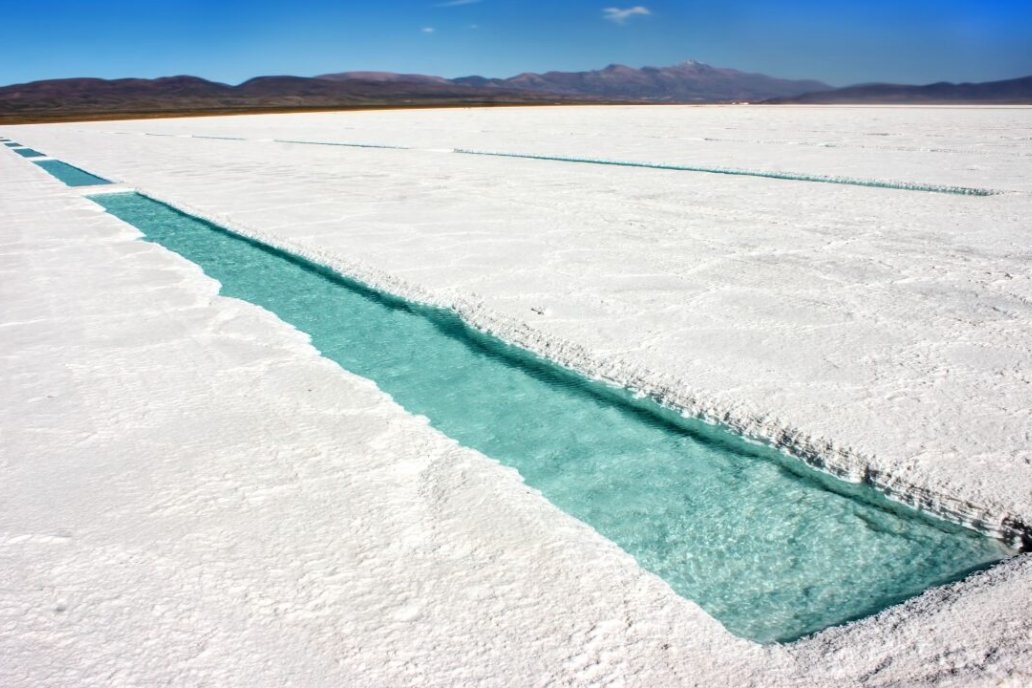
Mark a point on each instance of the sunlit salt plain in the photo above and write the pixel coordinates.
(193, 495)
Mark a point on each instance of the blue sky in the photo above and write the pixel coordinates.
(915, 41)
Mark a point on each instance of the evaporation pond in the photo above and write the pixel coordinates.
(27, 152)
(72, 176)
(770, 548)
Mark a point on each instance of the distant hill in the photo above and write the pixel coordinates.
(687, 82)
(101, 98)
(1009, 92)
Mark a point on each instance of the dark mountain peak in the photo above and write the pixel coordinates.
(686, 82)
(690, 65)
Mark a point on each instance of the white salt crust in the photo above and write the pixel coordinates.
(880, 335)
(180, 508)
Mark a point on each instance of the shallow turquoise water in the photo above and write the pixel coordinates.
(788, 176)
(769, 547)
(72, 176)
(27, 152)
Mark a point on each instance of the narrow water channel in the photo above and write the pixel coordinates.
(72, 176)
(769, 547)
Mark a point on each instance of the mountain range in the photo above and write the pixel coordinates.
(687, 82)
(59, 99)
(1008, 92)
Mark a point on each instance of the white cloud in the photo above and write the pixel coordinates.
(456, 3)
(620, 16)
(428, 29)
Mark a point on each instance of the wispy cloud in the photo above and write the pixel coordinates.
(428, 29)
(620, 16)
(456, 3)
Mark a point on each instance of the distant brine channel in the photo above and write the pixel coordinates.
(771, 548)
(72, 176)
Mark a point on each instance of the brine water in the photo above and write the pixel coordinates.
(771, 548)
(70, 175)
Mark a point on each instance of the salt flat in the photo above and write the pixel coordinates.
(208, 500)
(883, 332)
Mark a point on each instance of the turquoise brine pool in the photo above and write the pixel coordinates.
(28, 152)
(72, 176)
(771, 548)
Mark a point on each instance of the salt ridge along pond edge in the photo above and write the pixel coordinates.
(820, 453)
(771, 548)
